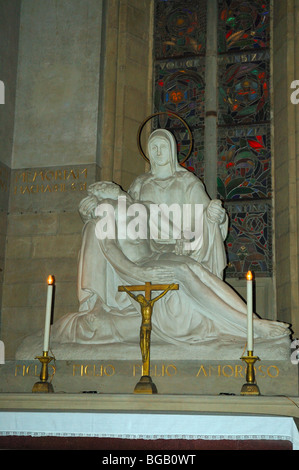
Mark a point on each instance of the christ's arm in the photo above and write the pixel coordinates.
(163, 293)
(129, 292)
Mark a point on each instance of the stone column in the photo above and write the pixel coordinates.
(286, 157)
(211, 97)
(9, 42)
(127, 99)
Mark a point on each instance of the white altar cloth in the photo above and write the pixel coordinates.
(148, 426)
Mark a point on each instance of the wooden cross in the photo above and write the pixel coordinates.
(145, 384)
(147, 288)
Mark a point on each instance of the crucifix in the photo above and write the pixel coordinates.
(145, 384)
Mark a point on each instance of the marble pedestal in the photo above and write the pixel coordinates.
(116, 368)
(193, 377)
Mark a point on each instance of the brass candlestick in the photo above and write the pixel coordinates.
(43, 386)
(250, 387)
(145, 384)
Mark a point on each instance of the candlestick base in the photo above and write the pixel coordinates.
(250, 387)
(145, 386)
(43, 386)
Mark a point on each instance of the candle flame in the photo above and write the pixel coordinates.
(249, 276)
(50, 280)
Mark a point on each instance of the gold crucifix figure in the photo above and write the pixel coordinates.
(145, 385)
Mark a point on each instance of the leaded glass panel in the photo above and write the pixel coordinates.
(180, 28)
(244, 96)
(243, 25)
(249, 242)
(180, 88)
(196, 161)
(244, 163)
(244, 140)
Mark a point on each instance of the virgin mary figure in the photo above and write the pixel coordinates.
(169, 183)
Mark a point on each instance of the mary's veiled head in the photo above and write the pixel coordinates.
(162, 149)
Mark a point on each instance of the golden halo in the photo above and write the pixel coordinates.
(158, 114)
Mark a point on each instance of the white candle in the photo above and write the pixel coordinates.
(249, 312)
(50, 282)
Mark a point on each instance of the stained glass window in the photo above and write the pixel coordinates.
(244, 96)
(244, 165)
(180, 28)
(179, 73)
(244, 112)
(244, 136)
(249, 245)
(243, 25)
(180, 89)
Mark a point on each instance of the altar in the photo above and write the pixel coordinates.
(161, 350)
(170, 423)
(216, 161)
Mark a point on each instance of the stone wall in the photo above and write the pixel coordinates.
(286, 152)
(4, 191)
(53, 158)
(83, 85)
(128, 87)
(9, 43)
(43, 237)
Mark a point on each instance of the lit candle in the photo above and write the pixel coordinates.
(50, 282)
(249, 312)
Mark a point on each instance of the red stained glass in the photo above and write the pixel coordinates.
(255, 145)
(244, 164)
(260, 139)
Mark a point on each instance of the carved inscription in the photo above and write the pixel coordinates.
(22, 370)
(156, 371)
(50, 181)
(162, 370)
(93, 370)
(236, 371)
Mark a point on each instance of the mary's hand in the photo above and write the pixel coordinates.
(216, 213)
(87, 207)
